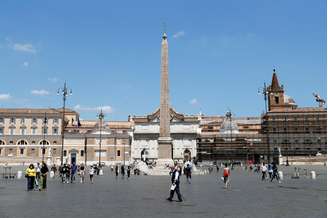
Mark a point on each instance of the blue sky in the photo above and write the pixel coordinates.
(220, 54)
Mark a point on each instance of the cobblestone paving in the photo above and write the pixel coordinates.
(144, 196)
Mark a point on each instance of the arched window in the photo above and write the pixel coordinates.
(22, 142)
(2, 142)
(44, 142)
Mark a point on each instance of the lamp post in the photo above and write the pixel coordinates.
(45, 120)
(265, 94)
(85, 149)
(100, 117)
(65, 92)
(229, 116)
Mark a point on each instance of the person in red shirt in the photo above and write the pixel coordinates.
(226, 174)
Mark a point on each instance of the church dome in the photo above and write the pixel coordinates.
(228, 126)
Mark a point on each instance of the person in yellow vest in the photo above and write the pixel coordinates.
(30, 174)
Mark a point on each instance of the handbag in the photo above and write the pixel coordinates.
(173, 186)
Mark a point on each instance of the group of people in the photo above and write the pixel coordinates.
(121, 169)
(37, 176)
(68, 172)
(270, 169)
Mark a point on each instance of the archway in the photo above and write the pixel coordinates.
(187, 155)
(144, 155)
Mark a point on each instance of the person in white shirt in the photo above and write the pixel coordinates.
(264, 171)
(91, 173)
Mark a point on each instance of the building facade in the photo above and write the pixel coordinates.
(183, 133)
(230, 138)
(290, 129)
(30, 134)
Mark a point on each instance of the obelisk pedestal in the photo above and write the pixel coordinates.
(164, 148)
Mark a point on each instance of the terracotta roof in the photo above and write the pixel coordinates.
(34, 110)
(298, 110)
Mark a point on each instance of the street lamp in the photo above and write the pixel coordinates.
(100, 117)
(265, 94)
(229, 116)
(45, 120)
(65, 92)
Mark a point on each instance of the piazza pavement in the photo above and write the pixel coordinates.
(145, 196)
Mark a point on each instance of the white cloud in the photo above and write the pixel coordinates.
(40, 92)
(26, 64)
(4, 97)
(53, 79)
(104, 108)
(27, 47)
(193, 101)
(179, 34)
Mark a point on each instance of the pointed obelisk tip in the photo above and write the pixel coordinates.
(164, 35)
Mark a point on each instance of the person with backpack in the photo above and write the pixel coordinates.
(270, 171)
(275, 172)
(188, 172)
(226, 175)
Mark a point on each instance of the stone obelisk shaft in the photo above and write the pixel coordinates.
(164, 104)
(164, 140)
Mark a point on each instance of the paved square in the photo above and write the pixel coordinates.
(144, 196)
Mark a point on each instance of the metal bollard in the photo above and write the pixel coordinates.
(52, 174)
(313, 175)
(19, 174)
(281, 175)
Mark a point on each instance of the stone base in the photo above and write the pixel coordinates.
(165, 148)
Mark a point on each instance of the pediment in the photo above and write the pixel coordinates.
(175, 116)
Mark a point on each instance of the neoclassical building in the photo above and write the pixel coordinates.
(146, 129)
(27, 134)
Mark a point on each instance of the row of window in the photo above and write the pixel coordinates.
(21, 151)
(23, 131)
(34, 120)
(305, 141)
(24, 142)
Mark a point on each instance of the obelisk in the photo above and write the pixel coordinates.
(164, 140)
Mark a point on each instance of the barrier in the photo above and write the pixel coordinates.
(281, 175)
(19, 174)
(313, 175)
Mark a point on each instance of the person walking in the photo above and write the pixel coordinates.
(275, 172)
(73, 172)
(270, 171)
(226, 175)
(91, 173)
(44, 174)
(128, 171)
(175, 187)
(116, 171)
(123, 171)
(188, 173)
(38, 177)
(82, 173)
(30, 174)
(264, 171)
